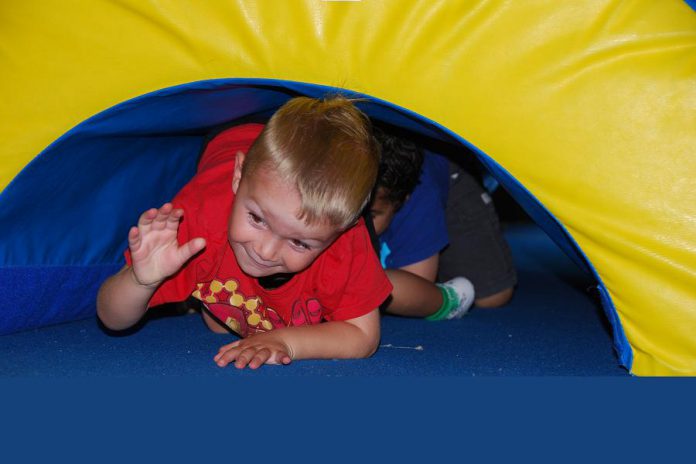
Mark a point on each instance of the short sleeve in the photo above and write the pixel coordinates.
(227, 143)
(419, 228)
(351, 281)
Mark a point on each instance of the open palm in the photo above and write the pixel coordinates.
(154, 248)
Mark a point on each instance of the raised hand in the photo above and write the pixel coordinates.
(254, 351)
(155, 252)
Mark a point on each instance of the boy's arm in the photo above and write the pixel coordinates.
(121, 301)
(353, 338)
(155, 255)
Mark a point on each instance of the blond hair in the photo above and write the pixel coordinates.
(325, 148)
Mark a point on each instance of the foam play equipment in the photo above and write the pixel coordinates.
(584, 111)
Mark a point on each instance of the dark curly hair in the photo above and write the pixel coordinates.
(399, 167)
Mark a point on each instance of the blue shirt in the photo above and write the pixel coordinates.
(419, 228)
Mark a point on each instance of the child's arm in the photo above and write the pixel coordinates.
(353, 338)
(415, 293)
(156, 255)
(413, 296)
(426, 268)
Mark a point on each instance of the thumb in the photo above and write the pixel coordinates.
(189, 249)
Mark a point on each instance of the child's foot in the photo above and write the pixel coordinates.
(457, 298)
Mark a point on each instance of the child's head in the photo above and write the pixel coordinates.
(305, 179)
(399, 170)
(326, 149)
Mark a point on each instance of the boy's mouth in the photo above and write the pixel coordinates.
(257, 263)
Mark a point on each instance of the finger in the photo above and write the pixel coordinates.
(145, 219)
(160, 220)
(279, 357)
(260, 358)
(229, 345)
(174, 219)
(134, 239)
(188, 249)
(244, 357)
(224, 358)
(224, 349)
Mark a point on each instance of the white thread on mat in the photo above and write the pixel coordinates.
(417, 347)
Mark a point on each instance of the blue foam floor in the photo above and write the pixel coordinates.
(553, 327)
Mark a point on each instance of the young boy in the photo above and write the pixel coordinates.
(266, 236)
(413, 211)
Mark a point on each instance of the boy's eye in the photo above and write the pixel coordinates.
(255, 219)
(299, 244)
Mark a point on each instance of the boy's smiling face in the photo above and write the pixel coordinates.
(264, 231)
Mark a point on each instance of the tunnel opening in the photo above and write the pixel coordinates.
(103, 173)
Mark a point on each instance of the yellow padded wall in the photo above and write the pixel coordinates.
(591, 105)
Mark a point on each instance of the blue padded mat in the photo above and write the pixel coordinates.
(553, 327)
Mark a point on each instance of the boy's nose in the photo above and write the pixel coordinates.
(268, 249)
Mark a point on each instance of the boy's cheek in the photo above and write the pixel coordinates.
(235, 230)
(381, 222)
(300, 263)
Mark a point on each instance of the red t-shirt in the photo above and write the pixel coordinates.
(346, 281)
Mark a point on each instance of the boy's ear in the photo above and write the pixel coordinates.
(237, 177)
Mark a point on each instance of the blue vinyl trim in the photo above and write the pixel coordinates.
(691, 3)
